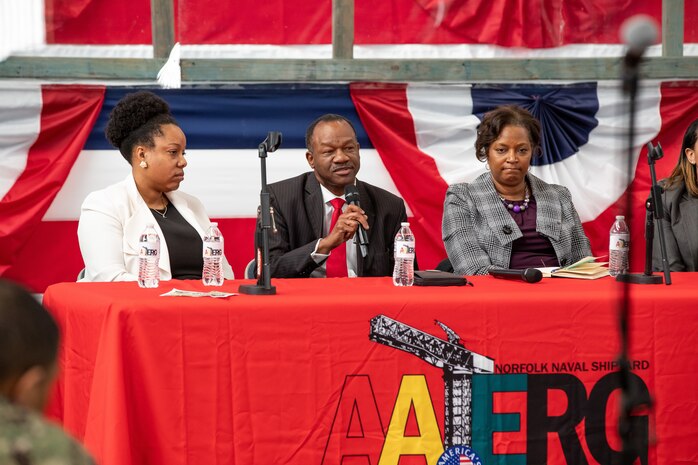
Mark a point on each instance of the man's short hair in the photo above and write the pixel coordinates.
(329, 117)
(28, 333)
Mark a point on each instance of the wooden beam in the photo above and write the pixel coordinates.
(342, 29)
(493, 70)
(163, 27)
(277, 70)
(672, 27)
(80, 68)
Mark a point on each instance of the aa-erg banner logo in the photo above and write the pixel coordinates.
(471, 423)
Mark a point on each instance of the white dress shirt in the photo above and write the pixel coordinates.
(352, 264)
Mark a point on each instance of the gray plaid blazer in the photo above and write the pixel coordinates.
(478, 231)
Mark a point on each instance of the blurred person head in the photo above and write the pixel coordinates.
(685, 170)
(333, 152)
(28, 348)
(150, 140)
(507, 138)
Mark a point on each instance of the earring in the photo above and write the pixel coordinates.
(487, 166)
(143, 164)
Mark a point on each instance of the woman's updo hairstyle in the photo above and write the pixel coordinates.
(494, 121)
(136, 120)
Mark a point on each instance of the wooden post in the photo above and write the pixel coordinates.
(342, 29)
(672, 28)
(162, 24)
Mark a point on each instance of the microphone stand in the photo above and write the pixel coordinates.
(263, 286)
(631, 400)
(655, 211)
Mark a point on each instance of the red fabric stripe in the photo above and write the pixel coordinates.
(519, 23)
(50, 254)
(67, 116)
(388, 123)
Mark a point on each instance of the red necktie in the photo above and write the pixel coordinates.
(336, 265)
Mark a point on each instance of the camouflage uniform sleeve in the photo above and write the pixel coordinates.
(27, 439)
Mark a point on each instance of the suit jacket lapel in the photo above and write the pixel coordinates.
(493, 212)
(314, 204)
(135, 225)
(684, 233)
(368, 207)
(548, 218)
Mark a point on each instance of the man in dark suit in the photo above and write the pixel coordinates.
(315, 231)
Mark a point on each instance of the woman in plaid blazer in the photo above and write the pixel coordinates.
(508, 218)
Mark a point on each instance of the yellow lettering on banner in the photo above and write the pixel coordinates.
(413, 392)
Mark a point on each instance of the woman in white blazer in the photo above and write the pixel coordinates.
(112, 219)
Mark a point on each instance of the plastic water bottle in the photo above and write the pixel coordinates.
(619, 247)
(212, 274)
(403, 273)
(149, 257)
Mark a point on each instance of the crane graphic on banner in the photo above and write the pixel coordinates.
(451, 355)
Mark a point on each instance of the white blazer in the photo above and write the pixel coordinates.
(111, 222)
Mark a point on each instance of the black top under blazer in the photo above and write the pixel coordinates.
(298, 214)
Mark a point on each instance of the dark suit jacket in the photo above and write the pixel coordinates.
(680, 231)
(298, 212)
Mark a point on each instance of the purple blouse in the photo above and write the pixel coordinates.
(531, 250)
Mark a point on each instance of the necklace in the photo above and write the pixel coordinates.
(164, 212)
(517, 208)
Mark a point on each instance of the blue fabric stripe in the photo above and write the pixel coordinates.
(567, 113)
(239, 117)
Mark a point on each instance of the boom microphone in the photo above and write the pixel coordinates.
(529, 275)
(638, 33)
(351, 194)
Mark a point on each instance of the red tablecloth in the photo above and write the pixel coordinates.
(294, 378)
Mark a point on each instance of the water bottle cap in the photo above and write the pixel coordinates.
(405, 223)
(214, 224)
(620, 217)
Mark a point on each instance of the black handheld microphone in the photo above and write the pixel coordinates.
(529, 275)
(351, 194)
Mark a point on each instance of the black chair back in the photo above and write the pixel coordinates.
(445, 265)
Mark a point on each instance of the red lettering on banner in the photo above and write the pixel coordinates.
(555, 421)
(356, 431)
(510, 442)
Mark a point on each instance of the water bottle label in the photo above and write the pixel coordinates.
(213, 249)
(619, 242)
(148, 249)
(404, 249)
